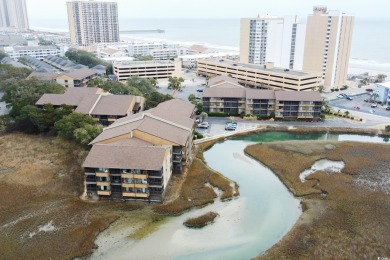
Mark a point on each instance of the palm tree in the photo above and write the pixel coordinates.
(175, 83)
(381, 77)
(203, 115)
(154, 82)
(346, 113)
(375, 95)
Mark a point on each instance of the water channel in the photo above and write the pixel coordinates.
(247, 226)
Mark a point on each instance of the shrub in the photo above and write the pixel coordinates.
(201, 221)
(198, 135)
(387, 128)
(263, 117)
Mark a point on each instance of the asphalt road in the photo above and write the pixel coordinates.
(217, 124)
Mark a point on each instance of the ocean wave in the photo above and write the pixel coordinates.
(46, 29)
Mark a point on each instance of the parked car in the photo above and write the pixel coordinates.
(340, 96)
(199, 90)
(348, 98)
(388, 108)
(204, 125)
(374, 105)
(230, 127)
(369, 90)
(198, 119)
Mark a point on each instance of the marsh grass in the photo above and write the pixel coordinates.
(201, 221)
(42, 179)
(352, 222)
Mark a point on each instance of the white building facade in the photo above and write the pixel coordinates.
(13, 15)
(144, 48)
(38, 52)
(273, 39)
(383, 92)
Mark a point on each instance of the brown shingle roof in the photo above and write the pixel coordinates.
(113, 105)
(80, 73)
(260, 94)
(225, 84)
(131, 142)
(59, 99)
(125, 157)
(109, 133)
(177, 107)
(164, 130)
(86, 104)
(219, 79)
(298, 96)
(224, 92)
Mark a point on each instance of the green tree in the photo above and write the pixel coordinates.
(20, 93)
(375, 96)
(87, 133)
(154, 82)
(143, 58)
(175, 83)
(199, 108)
(2, 55)
(84, 58)
(68, 124)
(381, 77)
(346, 113)
(192, 99)
(204, 115)
(146, 89)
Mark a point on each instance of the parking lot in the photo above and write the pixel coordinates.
(217, 126)
(191, 84)
(358, 104)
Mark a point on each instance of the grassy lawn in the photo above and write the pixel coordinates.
(346, 215)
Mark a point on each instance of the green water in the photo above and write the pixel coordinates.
(268, 209)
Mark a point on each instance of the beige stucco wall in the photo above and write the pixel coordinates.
(244, 40)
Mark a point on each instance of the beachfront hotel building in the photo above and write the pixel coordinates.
(93, 22)
(144, 48)
(328, 45)
(226, 95)
(261, 76)
(273, 39)
(102, 106)
(146, 69)
(135, 157)
(13, 15)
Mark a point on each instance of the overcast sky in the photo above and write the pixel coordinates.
(56, 9)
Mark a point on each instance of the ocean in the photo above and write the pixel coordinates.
(370, 47)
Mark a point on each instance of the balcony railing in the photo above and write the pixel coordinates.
(104, 192)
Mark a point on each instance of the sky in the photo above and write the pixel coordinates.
(362, 9)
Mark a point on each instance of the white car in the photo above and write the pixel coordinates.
(203, 125)
(374, 105)
(340, 96)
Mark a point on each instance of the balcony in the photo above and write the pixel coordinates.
(103, 183)
(177, 158)
(143, 175)
(176, 150)
(135, 195)
(104, 192)
(103, 174)
(155, 174)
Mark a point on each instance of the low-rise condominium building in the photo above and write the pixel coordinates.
(105, 107)
(135, 157)
(224, 95)
(261, 76)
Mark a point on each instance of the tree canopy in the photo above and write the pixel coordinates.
(175, 83)
(84, 58)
